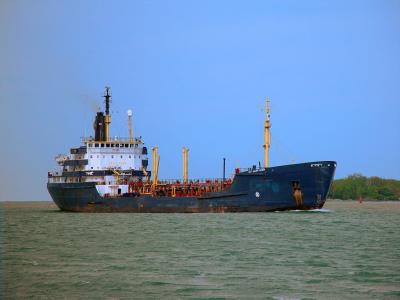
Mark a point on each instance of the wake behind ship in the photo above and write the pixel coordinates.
(111, 175)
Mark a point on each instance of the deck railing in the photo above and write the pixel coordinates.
(113, 140)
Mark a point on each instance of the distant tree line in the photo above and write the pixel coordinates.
(357, 185)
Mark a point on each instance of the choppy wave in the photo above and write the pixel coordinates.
(315, 254)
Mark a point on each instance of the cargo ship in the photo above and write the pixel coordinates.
(107, 174)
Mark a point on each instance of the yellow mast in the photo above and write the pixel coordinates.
(154, 166)
(158, 164)
(107, 121)
(185, 156)
(130, 126)
(267, 135)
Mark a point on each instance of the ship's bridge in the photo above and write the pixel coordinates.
(118, 153)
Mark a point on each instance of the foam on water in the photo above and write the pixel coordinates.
(317, 210)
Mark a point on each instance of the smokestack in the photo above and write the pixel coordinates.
(99, 127)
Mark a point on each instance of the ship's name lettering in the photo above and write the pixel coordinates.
(315, 165)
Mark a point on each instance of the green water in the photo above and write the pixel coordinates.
(346, 251)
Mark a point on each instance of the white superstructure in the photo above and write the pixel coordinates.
(118, 154)
(111, 163)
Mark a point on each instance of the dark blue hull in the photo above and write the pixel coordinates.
(298, 186)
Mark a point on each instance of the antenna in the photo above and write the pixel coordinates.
(107, 96)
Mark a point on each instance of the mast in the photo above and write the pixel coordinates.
(130, 126)
(185, 156)
(267, 135)
(155, 164)
(223, 170)
(107, 117)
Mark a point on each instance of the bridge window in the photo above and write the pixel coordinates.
(96, 145)
(126, 146)
(108, 145)
(112, 145)
(102, 145)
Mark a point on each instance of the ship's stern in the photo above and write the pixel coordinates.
(72, 196)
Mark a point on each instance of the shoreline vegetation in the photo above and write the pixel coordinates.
(357, 186)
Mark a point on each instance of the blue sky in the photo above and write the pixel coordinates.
(196, 73)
